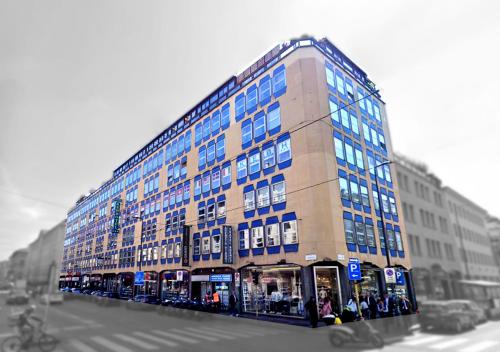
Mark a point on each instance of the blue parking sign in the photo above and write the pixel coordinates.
(400, 278)
(354, 271)
(139, 278)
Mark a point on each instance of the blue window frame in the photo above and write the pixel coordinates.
(172, 197)
(334, 113)
(374, 137)
(366, 132)
(265, 90)
(274, 118)
(330, 76)
(359, 157)
(215, 178)
(246, 133)
(211, 152)
(239, 107)
(184, 166)
(206, 128)
(339, 148)
(187, 190)
(254, 161)
(174, 149)
(198, 134)
(361, 101)
(205, 182)
(241, 168)
(376, 112)
(251, 98)
(279, 81)
(202, 155)
(225, 116)
(170, 174)
(354, 122)
(369, 107)
(349, 89)
(221, 147)
(284, 150)
(268, 156)
(340, 82)
(345, 119)
(187, 141)
(259, 126)
(197, 186)
(349, 152)
(177, 170)
(226, 174)
(215, 122)
(160, 164)
(157, 182)
(180, 146)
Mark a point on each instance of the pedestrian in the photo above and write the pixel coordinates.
(232, 304)
(372, 305)
(388, 305)
(216, 300)
(405, 305)
(380, 307)
(365, 309)
(312, 308)
(327, 307)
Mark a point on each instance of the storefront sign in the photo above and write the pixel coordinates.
(390, 276)
(221, 278)
(227, 243)
(139, 278)
(115, 228)
(200, 278)
(311, 257)
(75, 279)
(185, 245)
(400, 278)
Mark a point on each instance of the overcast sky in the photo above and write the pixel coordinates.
(85, 84)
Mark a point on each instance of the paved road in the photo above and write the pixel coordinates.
(83, 326)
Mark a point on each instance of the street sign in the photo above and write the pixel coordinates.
(400, 278)
(390, 276)
(139, 278)
(354, 271)
(353, 260)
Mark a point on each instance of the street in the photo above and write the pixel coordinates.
(83, 326)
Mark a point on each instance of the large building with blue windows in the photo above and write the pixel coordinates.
(268, 187)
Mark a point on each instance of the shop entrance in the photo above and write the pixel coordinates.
(174, 285)
(327, 287)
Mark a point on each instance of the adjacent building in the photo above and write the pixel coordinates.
(493, 224)
(44, 258)
(437, 266)
(269, 186)
(16, 273)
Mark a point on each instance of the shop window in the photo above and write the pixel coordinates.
(241, 167)
(284, 150)
(278, 192)
(201, 215)
(249, 200)
(289, 231)
(196, 246)
(244, 239)
(268, 157)
(273, 235)
(360, 233)
(205, 248)
(216, 244)
(221, 209)
(177, 250)
(257, 237)
(211, 212)
(349, 231)
(263, 197)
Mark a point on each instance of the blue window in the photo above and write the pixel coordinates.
(215, 122)
(151, 184)
(215, 178)
(202, 155)
(211, 152)
(157, 182)
(252, 99)
(184, 167)
(371, 162)
(241, 168)
(170, 174)
(345, 118)
(221, 147)
(254, 162)
(376, 111)
(350, 90)
(172, 197)
(205, 182)
(268, 157)
(349, 151)
(339, 148)
(374, 136)
(259, 126)
(180, 146)
(225, 116)
(369, 107)
(198, 134)
(284, 150)
(265, 90)
(197, 186)
(279, 81)
(226, 174)
(330, 76)
(160, 163)
(174, 149)
(187, 141)
(334, 113)
(177, 170)
(359, 157)
(354, 122)
(206, 128)
(246, 133)
(366, 132)
(274, 119)
(340, 83)
(361, 101)
(187, 190)
(239, 107)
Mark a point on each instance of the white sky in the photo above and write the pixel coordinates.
(84, 84)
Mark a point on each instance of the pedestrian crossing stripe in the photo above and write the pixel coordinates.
(195, 335)
(111, 345)
(143, 345)
(449, 343)
(480, 346)
(175, 336)
(156, 339)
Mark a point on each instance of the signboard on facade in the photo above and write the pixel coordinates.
(390, 275)
(139, 278)
(115, 228)
(354, 271)
(311, 257)
(185, 245)
(221, 278)
(227, 244)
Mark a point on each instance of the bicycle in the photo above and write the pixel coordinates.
(27, 338)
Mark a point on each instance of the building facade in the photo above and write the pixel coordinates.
(17, 268)
(471, 234)
(44, 258)
(493, 224)
(269, 187)
(436, 263)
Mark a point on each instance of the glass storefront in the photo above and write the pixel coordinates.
(370, 282)
(272, 290)
(174, 285)
(327, 286)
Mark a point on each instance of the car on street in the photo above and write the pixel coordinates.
(17, 297)
(52, 298)
(448, 315)
(478, 314)
(143, 302)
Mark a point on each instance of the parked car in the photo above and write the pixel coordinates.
(107, 298)
(53, 298)
(143, 302)
(449, 315)
(17, 297)
(478, 314)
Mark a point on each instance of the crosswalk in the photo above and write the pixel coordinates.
(173, 338)
(449, 343)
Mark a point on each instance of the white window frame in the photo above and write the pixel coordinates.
(289, 232)
(278, 197)
(262, 199)
(273, 236)
(257, 237)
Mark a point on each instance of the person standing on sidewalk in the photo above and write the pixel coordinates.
(216, 299)
(312, 308)
(232, 304)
